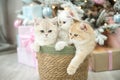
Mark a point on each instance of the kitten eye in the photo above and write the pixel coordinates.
(42, 31)
(75, 35)
(64, 22)
(49, 31)
(70, 33)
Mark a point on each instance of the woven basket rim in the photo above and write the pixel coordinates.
(50, 49)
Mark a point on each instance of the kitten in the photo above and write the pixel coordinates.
(46, 32)
(64, 22)
(82, 36)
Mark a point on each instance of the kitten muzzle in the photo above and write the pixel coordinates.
(46, 35)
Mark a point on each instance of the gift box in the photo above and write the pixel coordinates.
(114, 39)
(18, 40)
(26, 57)
(25, 36)
(34, 11)
(25, 30)
(104, 59)
(25, 40)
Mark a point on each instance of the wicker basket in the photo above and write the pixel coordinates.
(52, 65)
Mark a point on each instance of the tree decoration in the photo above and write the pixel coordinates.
(50, 2)
(99, 1)
(47, 11)
(101, 18)
(77, 11)
(117, 18)
(100, 37)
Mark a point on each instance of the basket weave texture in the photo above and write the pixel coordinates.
(54, 67)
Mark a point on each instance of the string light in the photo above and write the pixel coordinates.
(53, 6)
(79, 7)
(85, 0)
(66, 8)
(31, 4)
(105, 24)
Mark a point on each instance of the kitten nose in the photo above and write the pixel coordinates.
(46, 34)
(72, 37)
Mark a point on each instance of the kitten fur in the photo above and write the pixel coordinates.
(82, 36)
(64, 22)
(46, 32)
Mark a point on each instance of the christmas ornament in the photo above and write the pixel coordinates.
(47, 11)
(110, 20)
(99, 1)
(117, 18)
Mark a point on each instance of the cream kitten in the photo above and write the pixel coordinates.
(46, 32)
(82, 36)
(64, 22)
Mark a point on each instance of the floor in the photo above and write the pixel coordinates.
(10, 69)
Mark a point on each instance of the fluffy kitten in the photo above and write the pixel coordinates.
(64, 22)
(82, 36)
(46, 32)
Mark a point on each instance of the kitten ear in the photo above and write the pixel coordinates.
(37, 21)
(76, 20)
(83, 26)
(54, 20)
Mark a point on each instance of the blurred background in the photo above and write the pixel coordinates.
(7, 16)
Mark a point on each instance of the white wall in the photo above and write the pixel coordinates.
(12, 6)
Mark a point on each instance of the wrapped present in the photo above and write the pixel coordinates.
(18, 40)
(26, 40)
(104, 59)
(26, 57)
(34, 11)
(37, 11)
(114, 39)
(25, 30)
(25, 36)
(26, 10)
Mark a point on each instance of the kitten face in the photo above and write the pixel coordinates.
(46, 30)
(80, 31)
(64, 20)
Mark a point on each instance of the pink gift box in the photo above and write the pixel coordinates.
(25, 30)
(26, 57)
(114, 39)
(25, 35)
(26, 40)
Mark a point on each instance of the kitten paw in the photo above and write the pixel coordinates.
(71, 70)
(60, 45)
